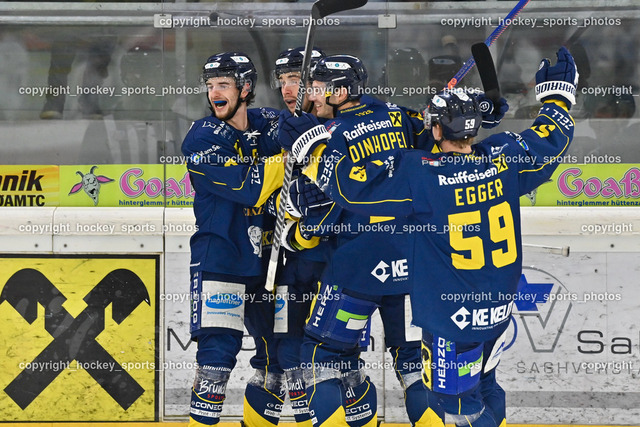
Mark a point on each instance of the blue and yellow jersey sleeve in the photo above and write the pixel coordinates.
(222, 168)
(542, 144)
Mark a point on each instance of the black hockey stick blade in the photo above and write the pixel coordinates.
(323, 8)
(487, 71)
(319, 10)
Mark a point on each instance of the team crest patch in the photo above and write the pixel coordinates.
(358, 173)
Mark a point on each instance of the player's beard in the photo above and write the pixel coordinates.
(231, 112)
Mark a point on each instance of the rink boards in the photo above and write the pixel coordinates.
(573, 355)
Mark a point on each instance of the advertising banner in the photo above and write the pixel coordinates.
(79, 338)
(589, 185)
(28, 185)
(125, 185)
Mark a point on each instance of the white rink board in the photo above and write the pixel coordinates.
(179, 353)
(576, 360)
(550, 372)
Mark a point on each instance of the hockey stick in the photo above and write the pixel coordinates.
(487, 70)
(557, 250)
(319, 10)
(468, 65)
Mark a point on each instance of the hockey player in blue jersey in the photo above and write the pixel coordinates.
(466, 200)
(355, 284)
(234, 163)
(299, 271)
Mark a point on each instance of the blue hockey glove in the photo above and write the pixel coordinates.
(300, 135)
(306, 199)
(491, 114)
(558, 82)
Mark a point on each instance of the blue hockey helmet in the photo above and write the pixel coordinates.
(456, 111)
(232, 64)
(341, 71)
(290, 61)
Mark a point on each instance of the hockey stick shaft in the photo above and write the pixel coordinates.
(469, 63)
(319, 10)
(557, 250)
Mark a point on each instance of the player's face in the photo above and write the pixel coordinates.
(289, 86)
(317, 96)
(223, 95)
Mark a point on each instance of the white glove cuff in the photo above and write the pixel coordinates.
(557, 87)
(306, 141)
(291, 208)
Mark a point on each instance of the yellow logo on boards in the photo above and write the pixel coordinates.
(81, 327)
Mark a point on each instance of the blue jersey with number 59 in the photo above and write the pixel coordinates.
(466, 218)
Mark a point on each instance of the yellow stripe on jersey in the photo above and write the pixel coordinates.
(363, 203)
(273, 177)
(376, 219)
(312, 168)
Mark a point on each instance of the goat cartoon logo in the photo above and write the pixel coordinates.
(90, 183)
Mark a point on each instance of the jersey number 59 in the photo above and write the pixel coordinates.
(501, 229)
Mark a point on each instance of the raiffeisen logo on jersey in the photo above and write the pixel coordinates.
(363, 128)
(464, 177)
(482, 318)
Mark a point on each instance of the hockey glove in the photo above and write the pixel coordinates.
(491, 114)
(306, 199)
(558, 82)
(300, 135)
(294, 242)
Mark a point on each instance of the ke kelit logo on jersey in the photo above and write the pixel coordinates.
(542, 307)
(396, 118)
(68, 316)
(90, 183)
(482, 318)
(399, 271)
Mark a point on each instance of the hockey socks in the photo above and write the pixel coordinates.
(361, 403)
(263, 399)
(421, 413)
(298, 397)
(207, 395)
(326, 403)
